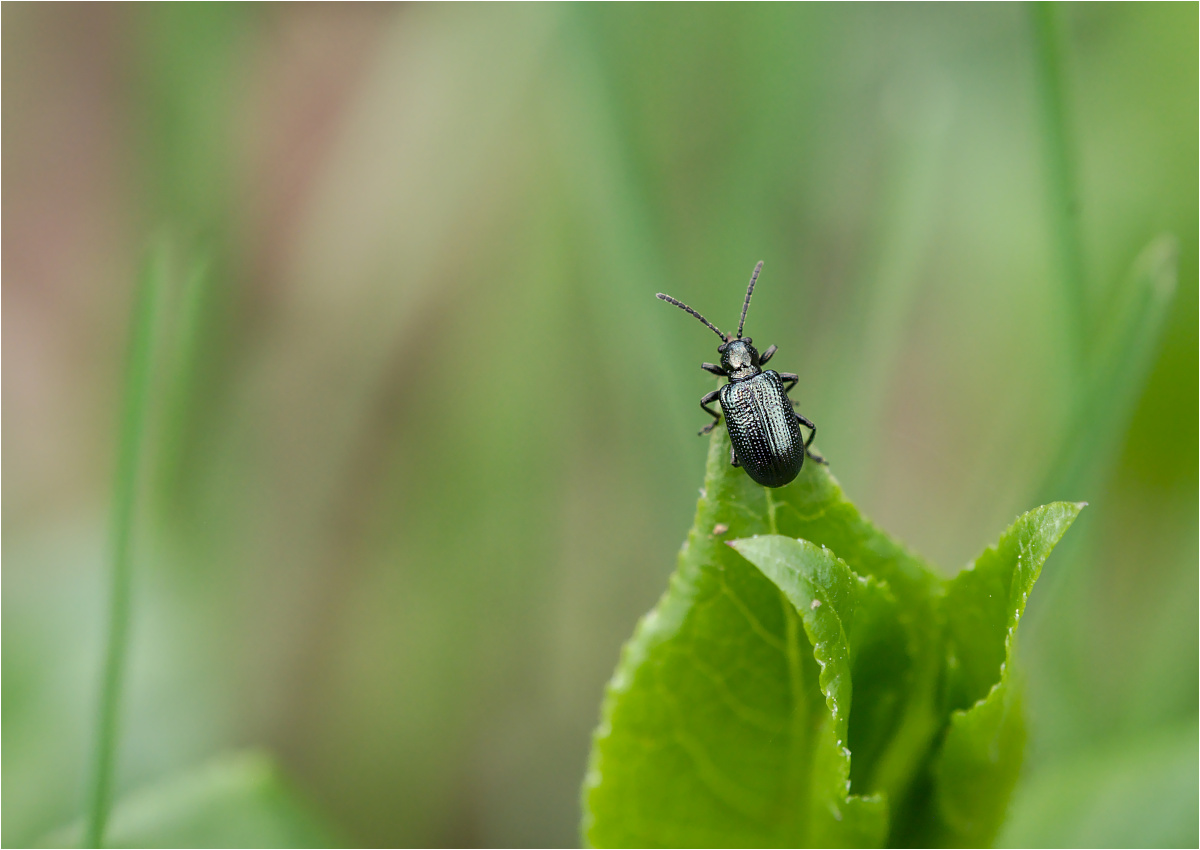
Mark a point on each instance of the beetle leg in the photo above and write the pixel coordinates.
(768, 354)
(790, 379)
(733, 461)
(812, 427)
(715, 369)
(704, 405)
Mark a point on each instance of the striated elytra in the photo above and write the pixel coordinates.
(764, 430)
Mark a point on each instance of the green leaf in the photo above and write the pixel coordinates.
(826, 594)
(983, 604)
(841, 613)
(978, 766)
(813, 682)
(237, 800)
(897, 713)
(715, 730)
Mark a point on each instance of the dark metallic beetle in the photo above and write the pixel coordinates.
(764, 430)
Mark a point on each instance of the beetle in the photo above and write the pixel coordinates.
(764, 429)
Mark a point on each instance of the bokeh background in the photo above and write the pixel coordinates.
(422, 443)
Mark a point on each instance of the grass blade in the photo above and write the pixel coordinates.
(1128, 342)
(138, 375)
(1061, 185)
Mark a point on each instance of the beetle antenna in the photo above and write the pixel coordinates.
(749, 292)
(683, 306)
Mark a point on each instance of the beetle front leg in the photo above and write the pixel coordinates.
(715, 369)
(704, 405)
(812, 427)
(768, 354)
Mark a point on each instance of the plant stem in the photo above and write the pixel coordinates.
(1061, 187)
(138, 373)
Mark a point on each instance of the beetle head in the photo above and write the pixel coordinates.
(739, 356)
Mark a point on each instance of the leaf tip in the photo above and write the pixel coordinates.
(738, 542)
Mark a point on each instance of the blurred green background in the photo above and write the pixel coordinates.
(422, 448)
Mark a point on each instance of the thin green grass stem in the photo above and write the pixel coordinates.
(1063, 195)
(1128, 343)
(138, 375)
(1112, 346)
(182, 384)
